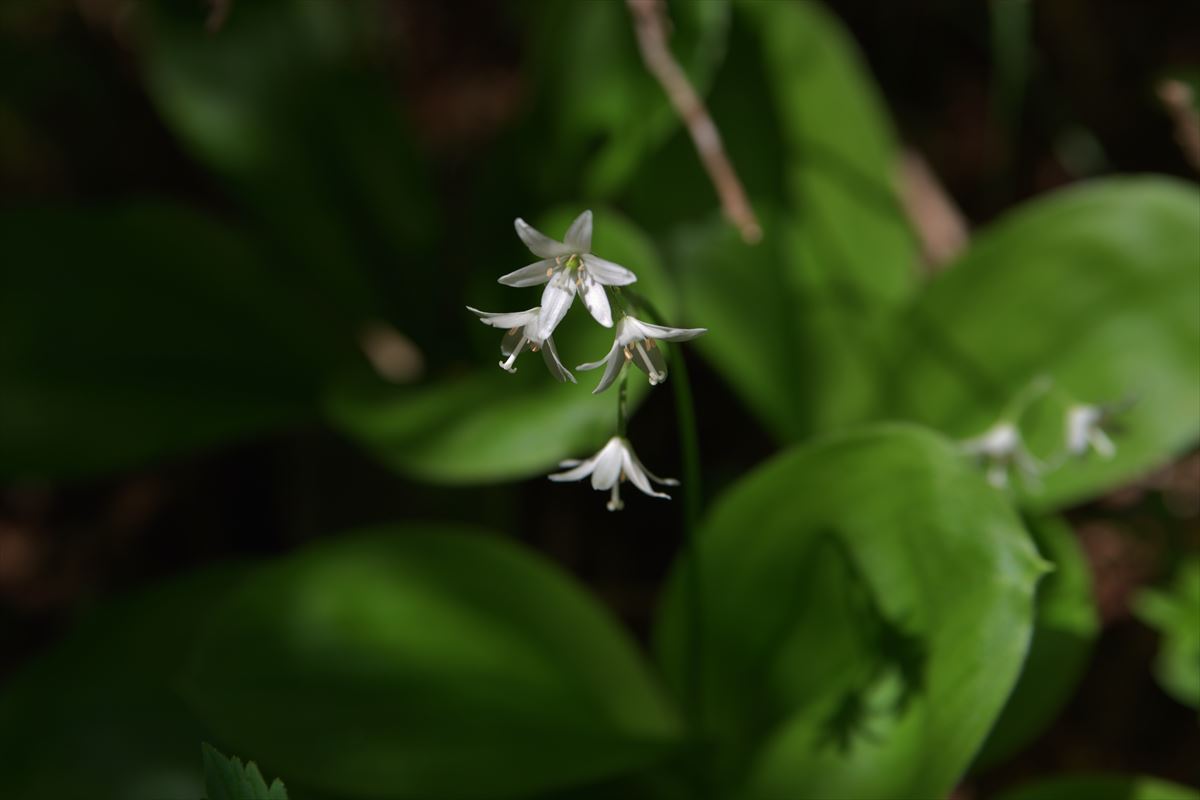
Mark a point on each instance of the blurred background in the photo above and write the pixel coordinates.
(215, 211)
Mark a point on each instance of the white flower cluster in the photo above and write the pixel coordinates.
(569, 268)
(1001, 448)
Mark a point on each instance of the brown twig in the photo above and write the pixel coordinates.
(217, 14)
(939, 224)
(1180, 102)
(650, 26)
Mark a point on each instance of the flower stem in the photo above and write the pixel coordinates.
(623, 404)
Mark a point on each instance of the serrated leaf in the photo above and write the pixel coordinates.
(228, 779)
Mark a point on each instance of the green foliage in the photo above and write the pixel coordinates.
(837, 257)
(97, 716)
(859, 637)
(168, 332)
(228, 779)
(600, 97)
(427, 662)
(1094, 287)
(1064, 629)
(312, 144)
(1175, 613)
(1101, 787)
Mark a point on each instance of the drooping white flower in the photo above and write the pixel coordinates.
(1085, 429)
(636, 341)
(567, 267)
(615, 462)
(999, 448)
(522, 332)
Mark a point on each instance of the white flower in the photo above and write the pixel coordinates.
(1084, 429)
(1000, 447)
(614, 463)
(522, 332)
(567, 267)
(636, 342)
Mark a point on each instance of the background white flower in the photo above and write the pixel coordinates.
(636, 341)
(522, 332)
(615, 462)
(1001, 447)
(567, 267)
(1084, 430)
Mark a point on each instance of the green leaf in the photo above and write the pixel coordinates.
(278, 105)
(814, 299)
(492, 426)
(426, 662)
(1066, 627)
(132, 333)
(227, 779)
(603, 105)
(97, 715)
(1101, 787)
(1095, 287)
(867, 601)
(1175, 613)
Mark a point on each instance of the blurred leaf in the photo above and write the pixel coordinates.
(96, 716)
(426, 662)
(131, 333)
(228, 779)
(1175, 614)
(836, 259)
(1065, 628)
(860, 633)
(598, 95)
(312, 144)
(491, 426)
(1101, 787)
(1093, 286)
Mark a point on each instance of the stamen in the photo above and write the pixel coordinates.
(507, 365)
(614, 501)
(628, 355)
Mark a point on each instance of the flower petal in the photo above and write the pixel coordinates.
(634, 472)
(554, 363)
(670, 334)
(505, 319)
(664, 481)
(532, 275)
(579, 235)
(615, 360)
(539, 243)
(577, 473)
(556, 299)
(608, 273)
(596, 300)
(607, 356)
(608, 465)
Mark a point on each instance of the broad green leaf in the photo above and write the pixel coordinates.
(228, 779)
(139, 331)
(489, 425)
(1175, 613)
(426, 662)
(479, 428)
(837, 256)
(278, 105)
(1101, 787)
(1066, 626)
(97, 715)
(1094, 287)
(606, 110)
(867, 602)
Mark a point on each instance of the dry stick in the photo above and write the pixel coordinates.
(652, 40)
(939, 224)
(1177, 97)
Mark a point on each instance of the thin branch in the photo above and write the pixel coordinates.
(939, 224)
(1180, 102)
(650, 25)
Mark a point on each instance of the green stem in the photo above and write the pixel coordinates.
(623, 404)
